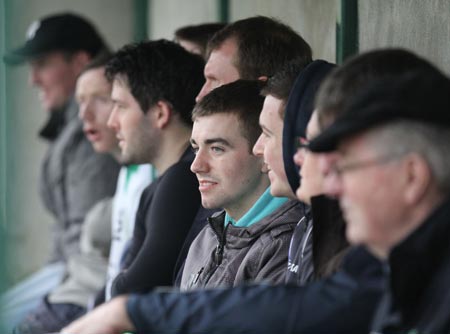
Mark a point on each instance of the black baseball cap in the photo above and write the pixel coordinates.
(422, 96)
(61, 32)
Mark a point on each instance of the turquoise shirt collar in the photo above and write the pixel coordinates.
(263, 207)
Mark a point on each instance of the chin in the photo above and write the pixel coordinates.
(98, 148)
(275, 192)
(353, 236)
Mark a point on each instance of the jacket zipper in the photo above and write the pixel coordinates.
(218, 252)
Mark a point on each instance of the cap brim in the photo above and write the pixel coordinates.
(351, 124)
(22, 54)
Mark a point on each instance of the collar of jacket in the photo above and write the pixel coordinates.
(414, 261)
(264, 206)
(281, 220)
(329, 241)
(58, 119)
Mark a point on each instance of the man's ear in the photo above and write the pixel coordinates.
(162, 114)
(417, 177)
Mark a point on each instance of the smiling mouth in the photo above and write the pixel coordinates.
(204, 185)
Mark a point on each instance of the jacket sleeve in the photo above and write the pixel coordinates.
(343, 303)
(169, 217)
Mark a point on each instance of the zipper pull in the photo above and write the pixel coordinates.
(219, 254)
(196, 277)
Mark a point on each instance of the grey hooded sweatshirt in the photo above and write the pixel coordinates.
(227, 256)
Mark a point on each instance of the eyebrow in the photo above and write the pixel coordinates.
(213, 141)
(265, 128)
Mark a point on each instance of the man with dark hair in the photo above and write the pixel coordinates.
(194, 38)
(247, 241)
(254, 48)
(73, 177)
(154, 87)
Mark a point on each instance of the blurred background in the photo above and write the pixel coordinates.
(334, 28)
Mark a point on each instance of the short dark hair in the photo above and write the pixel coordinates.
(356, 73)
(264, 45)
(199, 34)
(159, 71)
(281, 83)
(241, 98)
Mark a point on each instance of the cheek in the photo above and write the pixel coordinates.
(244, 170)
(273, 155)
(103, 115)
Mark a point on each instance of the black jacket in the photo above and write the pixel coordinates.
(343, 303)
(166, 213)
(418, 300)
(318, 244)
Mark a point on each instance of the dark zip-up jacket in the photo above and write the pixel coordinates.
(418, 300)
(318, 244)
(342, 303)
(227, 256)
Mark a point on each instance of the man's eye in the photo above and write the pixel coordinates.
(194, 149)
(217, 149)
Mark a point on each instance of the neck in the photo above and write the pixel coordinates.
(240, 209)
(116, 154)
(174, 142)
(415, 216)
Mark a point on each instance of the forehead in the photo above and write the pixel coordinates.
(48, 58)
(312, 130)
(93, 79)
(120, 86)
(221, 60)
(270, 114)
(221, 125)
(121, 92)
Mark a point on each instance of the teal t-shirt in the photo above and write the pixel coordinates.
(263, 207)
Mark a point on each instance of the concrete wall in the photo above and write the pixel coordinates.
(421, 26)
(165, 16)
(27, 221)
(314, 20)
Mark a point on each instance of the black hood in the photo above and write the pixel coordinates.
(299, 108)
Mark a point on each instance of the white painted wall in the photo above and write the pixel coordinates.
(417, 25)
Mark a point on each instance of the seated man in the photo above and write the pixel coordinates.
(154, 89)
(248, 240)
(286, 112)
(73, 177)
(392, 178)
(86, 271)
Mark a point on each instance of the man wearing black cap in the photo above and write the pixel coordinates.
(392, 178)
(73, 177)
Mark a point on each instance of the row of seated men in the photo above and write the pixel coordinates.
(236, 195)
